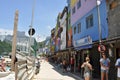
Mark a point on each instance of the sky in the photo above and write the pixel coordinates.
(45, 16)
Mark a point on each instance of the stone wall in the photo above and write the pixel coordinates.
(113, 18)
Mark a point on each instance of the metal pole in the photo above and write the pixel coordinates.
(32, 13)
(31, 27)
(99, 22)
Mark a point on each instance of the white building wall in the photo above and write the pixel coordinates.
(63, 34)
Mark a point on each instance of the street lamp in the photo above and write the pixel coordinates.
(98, 2)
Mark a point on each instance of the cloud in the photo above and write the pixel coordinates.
(49, 27)
(40, 38)
(6, 32)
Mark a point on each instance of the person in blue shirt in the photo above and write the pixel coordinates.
(105, 64)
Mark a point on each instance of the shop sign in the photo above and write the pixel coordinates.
(83, 41)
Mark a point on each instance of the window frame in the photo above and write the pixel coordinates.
(75, 29)
(78, 4)
(79, 27)
(73, 10)
(89, 21)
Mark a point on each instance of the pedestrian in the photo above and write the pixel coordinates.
(64, 66)
(59, 63)
(72, 63)
(105, 64)
(87, 69)
(2, 65)
(37, 66)
(117, 64)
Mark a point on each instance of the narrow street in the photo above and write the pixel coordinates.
(49, 72)
(75, 39)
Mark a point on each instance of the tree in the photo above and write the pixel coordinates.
(5, 47)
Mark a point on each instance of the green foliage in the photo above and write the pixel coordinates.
(5, 47)
(42, 44)
(35, 46)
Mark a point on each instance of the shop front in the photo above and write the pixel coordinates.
(113, 50)
(81, 50)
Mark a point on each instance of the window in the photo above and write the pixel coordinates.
(75, 30)
(78, 4)
(73, 10)
(89, 21)
(79, 27)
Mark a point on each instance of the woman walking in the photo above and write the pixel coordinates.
(87, 69)
(105, 63)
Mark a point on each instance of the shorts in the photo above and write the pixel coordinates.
(86, 74)
(105, 71)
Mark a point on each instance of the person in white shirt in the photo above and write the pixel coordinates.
(117, 64)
